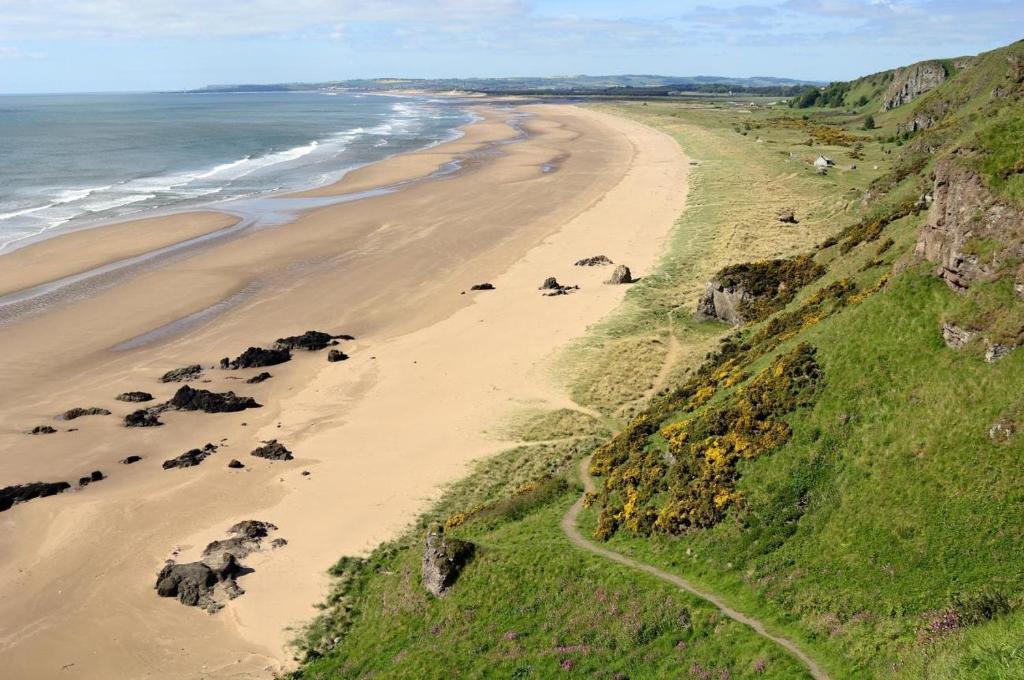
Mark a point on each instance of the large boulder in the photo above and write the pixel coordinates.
(310, 341)
(189, 399)
(443, 561)
(143, 417)
(134, 396)
(621, 275)
(722, 303)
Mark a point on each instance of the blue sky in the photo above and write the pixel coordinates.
(119, 45)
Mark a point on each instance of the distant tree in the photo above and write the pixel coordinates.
(869, 123)
(863, 101)
(806, 99)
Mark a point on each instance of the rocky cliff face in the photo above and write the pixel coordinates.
(912, 82)
(970, 234)
(722, 303)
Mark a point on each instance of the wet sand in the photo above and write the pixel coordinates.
(430, 370)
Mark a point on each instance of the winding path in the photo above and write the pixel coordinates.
(571, 530)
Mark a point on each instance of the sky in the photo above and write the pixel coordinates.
(147, 45)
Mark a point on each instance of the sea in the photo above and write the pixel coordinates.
(73, 161)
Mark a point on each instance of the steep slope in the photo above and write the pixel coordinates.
(846, 465)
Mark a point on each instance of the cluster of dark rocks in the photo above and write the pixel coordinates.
(20, 493)
(209, 581)
(189, 399)
(257, 357)
(78, 412)
(482, 286)
(552, 287)
(310, 341)
(595, 261)
(192, 372)
(134, 397)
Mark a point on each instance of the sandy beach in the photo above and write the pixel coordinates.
(434, 365)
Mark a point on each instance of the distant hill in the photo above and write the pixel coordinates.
(581, 84)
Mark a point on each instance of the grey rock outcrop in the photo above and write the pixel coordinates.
(955, 336)
(443, 561)
(189, 399)
(134, 396)
(257, 357)
(310, 341)
(595, 261)
(143, 417)
(913, 81)
(552, 287)
(721, 303)
(190, 458)
(995, 352)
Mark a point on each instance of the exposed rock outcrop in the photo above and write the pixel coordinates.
(134, 396)
(310, 340)
(212, 579)
(42, 429)
(722, 303)
(913, 81)
(552, 287)
(621, 275)
(257, 357)
(20, 493)
(130, 459)
(955, 336)
(970, 234)
(996, 351)
(482, 286)
(94, 476)
(443, 560)
(189, 399)
(235, 464)
(144, 417)
(181, 374)
(272, 450)
(190, 458)
(78, 412)
(259, 378)
(336, 355)
(595, 261)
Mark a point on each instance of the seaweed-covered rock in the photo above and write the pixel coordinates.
(596, 261)
(42, 429)
(134, 396)
(190, 458)
(78, 412)
(142, 418)
(20, 493)
(272, 450)
(443, 561)
(259, 378)
(181, 374)
(310, 340)
(130, 459)
(257, 357)
(621, 275)
(189, 399)
(336, 355)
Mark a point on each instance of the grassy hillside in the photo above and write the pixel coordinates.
(830, 468)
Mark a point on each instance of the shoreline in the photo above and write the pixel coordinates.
(378, 433)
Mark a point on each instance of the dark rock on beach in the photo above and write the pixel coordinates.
(551, 287)
(310, 341)
(207, 582)
(130, 459)
(142, 418)
(443, 561)
(256, 357)
(94, 476)
(596, 261)
(272, 450)
(134, 396)
(621, 275)
(235, 464)
(181, 374)
(336, 355)
(190, 458)
(189, 399)
(20, 493)
(482, 286)
(259, 378)
(78, 412)
(42, 429)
